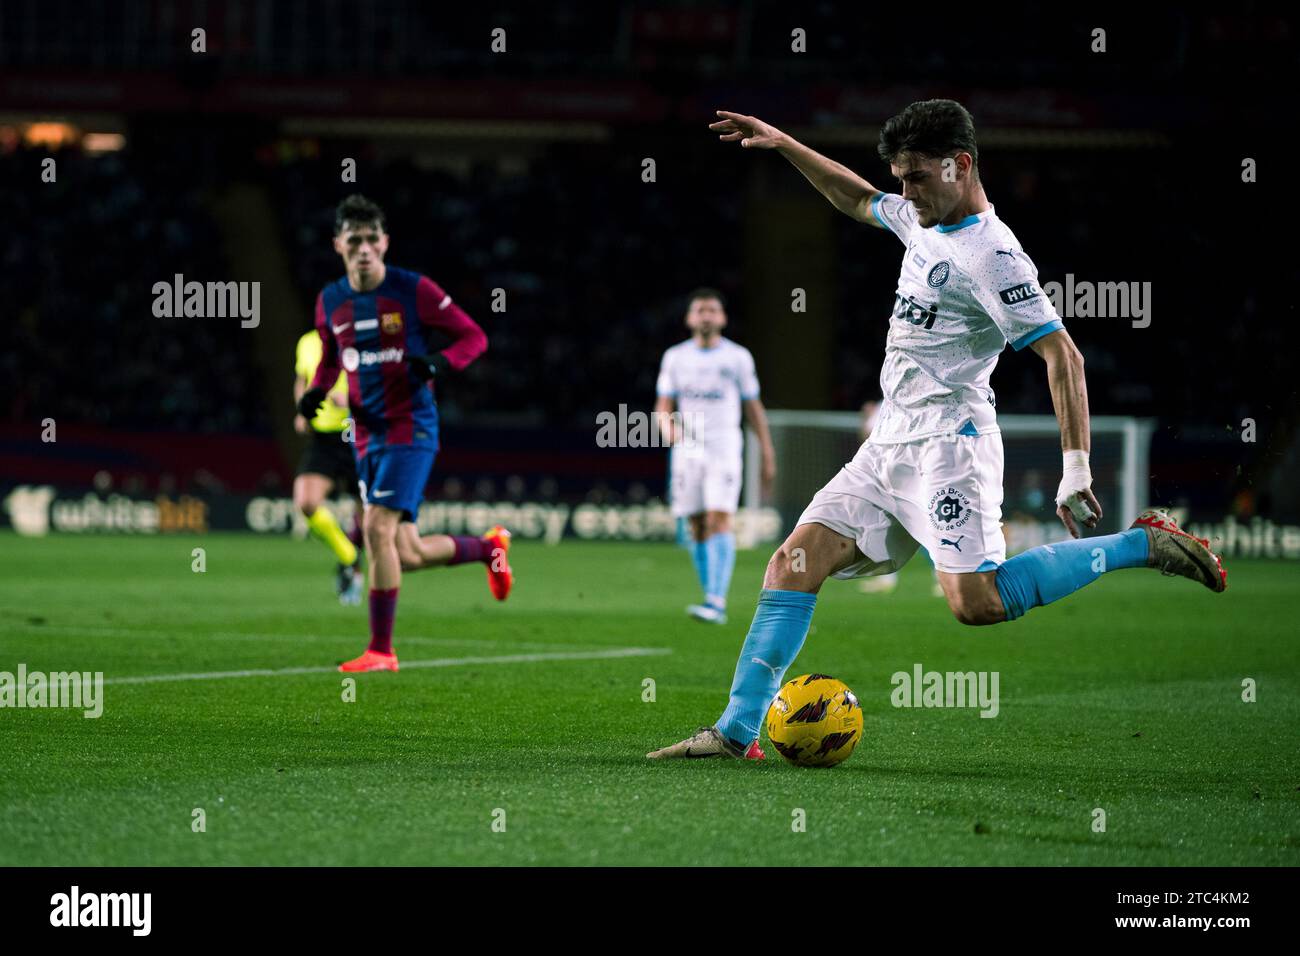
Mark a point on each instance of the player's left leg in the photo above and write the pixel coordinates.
(794, 575)
(846, 531)
(720, 543)
(721, 497)
(392, 481)
(686, 484)
(444, 550)
(380, 524)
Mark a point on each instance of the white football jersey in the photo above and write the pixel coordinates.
(708, 386)
(964, 292)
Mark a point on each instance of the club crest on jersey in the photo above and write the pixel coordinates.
(939, 274)
(351, 359)
(949, 509)
(391, 322)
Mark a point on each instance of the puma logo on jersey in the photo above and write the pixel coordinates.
(952, 544)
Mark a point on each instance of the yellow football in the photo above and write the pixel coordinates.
(814, 721)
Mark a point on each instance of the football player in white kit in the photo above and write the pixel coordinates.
(707, 380)
(931, 472)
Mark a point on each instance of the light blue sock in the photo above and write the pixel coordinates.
(1051, 571)
(700, 555)
(780, 626)
(722, 561)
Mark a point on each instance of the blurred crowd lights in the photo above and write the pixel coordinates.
(55, 134)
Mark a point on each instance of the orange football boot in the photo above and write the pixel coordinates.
(370, 661)
(500, 577)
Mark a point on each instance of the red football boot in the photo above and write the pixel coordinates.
(370, 661)
(500, 577)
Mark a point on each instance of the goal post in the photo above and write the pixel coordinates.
(811, 446)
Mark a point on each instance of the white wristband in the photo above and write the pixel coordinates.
(1076, 478)
(1075, 461)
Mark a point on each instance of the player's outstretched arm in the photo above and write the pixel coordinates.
(1074, 497)
(847, 191)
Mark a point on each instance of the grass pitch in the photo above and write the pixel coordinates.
(1126, 697)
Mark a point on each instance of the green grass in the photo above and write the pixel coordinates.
(1125, 697)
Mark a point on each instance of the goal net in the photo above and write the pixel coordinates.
(812, 446)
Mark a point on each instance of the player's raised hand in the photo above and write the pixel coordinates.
(1074, 498)
(750, 131)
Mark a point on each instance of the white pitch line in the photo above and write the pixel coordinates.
(612, 653)
(153, 632)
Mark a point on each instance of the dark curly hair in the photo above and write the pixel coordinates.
(931, 128)
(357, 209)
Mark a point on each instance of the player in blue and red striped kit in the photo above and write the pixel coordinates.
(380, 325)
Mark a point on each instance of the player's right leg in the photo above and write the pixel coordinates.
(721, 482)
(847, 530)
(700, 556)
(794, 575)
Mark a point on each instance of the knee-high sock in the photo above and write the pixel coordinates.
(700, 555)
(466, 550)
(326, 527)
(722, 561)
(1051, 571)
(383, 609)
(780, 626)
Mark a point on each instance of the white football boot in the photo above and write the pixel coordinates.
(708, 742)
(1174, 551)
(707, 613)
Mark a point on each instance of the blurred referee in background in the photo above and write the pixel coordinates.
(327, 465)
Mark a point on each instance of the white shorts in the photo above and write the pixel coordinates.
(704, 482)
(941, 493)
